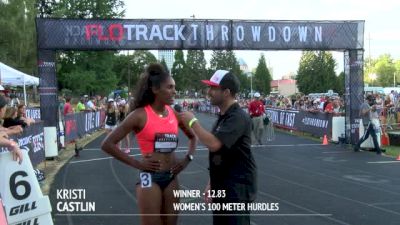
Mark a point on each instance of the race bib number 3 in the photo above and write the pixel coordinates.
(145, 179)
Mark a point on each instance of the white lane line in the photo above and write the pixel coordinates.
(90, 160)
(133, 155)
(293, 145)
(383, 162)
(386, 203)
(338, 196)
(99, 149)
(198, 214)
(311, 212)
(253, 146)
(202, 148)
(120, 182)
(191, 172)
(335, 152)
(301, 207)
(340, 179)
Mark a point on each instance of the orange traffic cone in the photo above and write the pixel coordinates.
(398, 158)
(325, 140)
(384, 139)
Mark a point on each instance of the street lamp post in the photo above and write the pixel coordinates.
(129, 74)
(251, 84)
(394, 79)
(373, 78)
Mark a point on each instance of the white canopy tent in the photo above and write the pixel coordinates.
(12, 77)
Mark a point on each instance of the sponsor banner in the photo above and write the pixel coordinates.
(79, 124)
(48, 87)
(283, 118)
(197, 34)
(70, 127)
(23, 200)
(316, 123)
(33, 113)
(31, 140)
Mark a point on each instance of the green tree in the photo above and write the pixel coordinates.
(82, 67)
(178, 70)
(195, 69)
(129, 67)
(385, 69)
(397, 72)
(316, 72)
(397, 65)
(105, 9)
(340, 84)
(369, 65)
(164, 64)
(46, 8)
(140, 60)
(99, 64)
(122, 69)
(226, 60)
(244, 81)
(74, 81)
(18, 35)
(262, 77)
(217, 60)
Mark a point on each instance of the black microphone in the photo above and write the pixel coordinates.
(178, 108)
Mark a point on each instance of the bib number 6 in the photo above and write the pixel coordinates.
(22, 183)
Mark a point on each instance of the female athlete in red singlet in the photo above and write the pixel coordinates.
(156, 127)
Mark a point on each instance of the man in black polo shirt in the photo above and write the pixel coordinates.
(232, 167)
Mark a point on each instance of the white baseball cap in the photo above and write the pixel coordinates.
(110, 100)
(224, 79)
(216, 78)
(257, 95)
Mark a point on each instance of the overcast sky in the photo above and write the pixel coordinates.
(382, 22)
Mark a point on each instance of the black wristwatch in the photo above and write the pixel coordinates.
(189, 157)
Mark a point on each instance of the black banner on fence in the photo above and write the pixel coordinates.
(48, 87)
(33, 113)
(79, 124)
(70, 127)
(316, 123)
(31, 140)
(283, 118)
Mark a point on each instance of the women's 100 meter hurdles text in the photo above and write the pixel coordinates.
(216, 206)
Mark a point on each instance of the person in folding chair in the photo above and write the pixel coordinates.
(269, 127)
(370, 119)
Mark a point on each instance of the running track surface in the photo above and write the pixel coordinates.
(313, 184)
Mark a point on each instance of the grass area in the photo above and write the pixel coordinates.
(51, 167)
(298, 133)
(392, 150)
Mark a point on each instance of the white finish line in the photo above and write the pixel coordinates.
(184, 150)
(198, 214)
(139, 154)
(384, 162)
